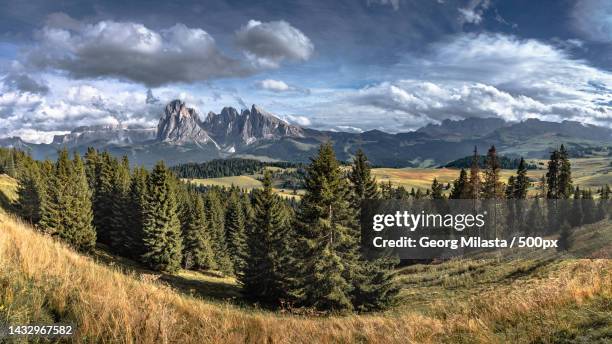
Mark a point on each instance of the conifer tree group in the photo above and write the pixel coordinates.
(304, 253)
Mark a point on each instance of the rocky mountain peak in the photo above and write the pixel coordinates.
(233, 129)
(180, 124)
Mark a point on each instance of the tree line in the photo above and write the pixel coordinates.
(218, 168)
(303, 256)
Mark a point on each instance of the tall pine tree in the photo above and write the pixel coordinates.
(328, 236)
(161, 227)
(268, 274)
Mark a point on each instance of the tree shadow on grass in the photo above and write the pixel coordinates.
(206, 285)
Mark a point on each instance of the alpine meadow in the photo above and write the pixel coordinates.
(380, 171)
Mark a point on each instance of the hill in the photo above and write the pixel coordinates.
(480, 300)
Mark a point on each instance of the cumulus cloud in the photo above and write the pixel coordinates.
(478, 75)
(279, 86)
(270, 43)
(593, 19)
(274, 85)
(131, 51)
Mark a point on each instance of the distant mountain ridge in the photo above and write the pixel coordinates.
(183, 136)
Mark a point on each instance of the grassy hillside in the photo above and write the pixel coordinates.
(481, 301)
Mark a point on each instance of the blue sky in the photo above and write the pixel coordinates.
(392, 65)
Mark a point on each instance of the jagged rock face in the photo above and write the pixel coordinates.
(180, 124)
(233, 129)
(118, 134)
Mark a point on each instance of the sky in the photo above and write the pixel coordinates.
(345, 65)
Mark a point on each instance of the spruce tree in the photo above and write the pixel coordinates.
(269, 273)
(492, 187)
(83, 233)
(363, 185)
(328, 236)
(103, 197)
(197, 250)
(135, 220)
(215, 216)
(120, 240)
(161, 227)
(474, 181)
(235, 232)
(92, 167)
(565, 187)
(30, 191)
(461, 186)
(552, 176)
(511, 187)
(521, 183)
(436, 190)
(373, 282)
(66, 212)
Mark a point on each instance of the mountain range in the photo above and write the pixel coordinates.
(182, 136)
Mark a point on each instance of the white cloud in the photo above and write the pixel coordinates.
(474, 11)
(274, 85)
(270, 43)
(299, 120)
(131, 51)
(476, 75)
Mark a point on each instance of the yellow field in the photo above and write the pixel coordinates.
(587, 172)
(248, 182)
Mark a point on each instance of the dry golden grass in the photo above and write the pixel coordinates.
(247, 182)
(42, 281)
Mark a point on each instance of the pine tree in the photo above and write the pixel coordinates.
(103, 197)
(492, 188)
(461, 187)
(552, 176)
(161, 227)
(436, 190)
(83, 233)
(364, 186)
(135, 209)
(511, 187)
(92, 168)
(235, 232)
(565, 187)
(268, 274)
(215, 216)
(328, 236)
(474, 180)
(120, 240)
(521, 183)
(66, 212)
(197, 250)
(30, 191)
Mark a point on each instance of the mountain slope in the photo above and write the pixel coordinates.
(478, 301)
(182, 136)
